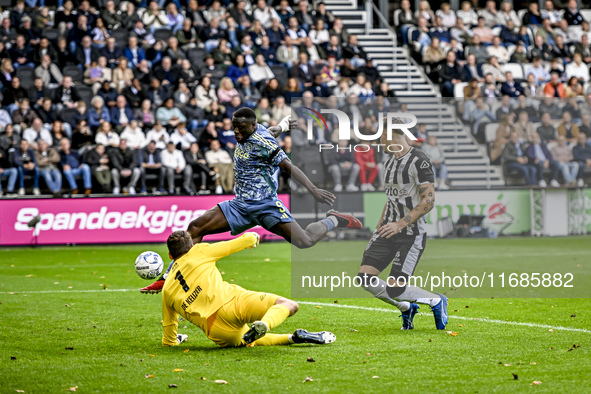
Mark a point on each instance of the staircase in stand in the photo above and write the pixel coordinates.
(467, 161)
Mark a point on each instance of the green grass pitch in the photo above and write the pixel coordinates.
(65, 322)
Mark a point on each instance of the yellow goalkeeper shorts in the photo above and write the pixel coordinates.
(227, 326)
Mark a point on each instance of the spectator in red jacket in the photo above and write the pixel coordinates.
(368, 168)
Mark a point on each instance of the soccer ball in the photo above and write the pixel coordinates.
(149, 265)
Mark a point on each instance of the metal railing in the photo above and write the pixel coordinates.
(370, 9)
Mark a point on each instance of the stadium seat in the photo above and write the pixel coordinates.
(521, 13)
(74, 72)
(51, 34)
(414, 45)
(490, 132)
(85, 93)
(309, 160)
(280, 72)
(162, 34)
(121, 36)
(397, 17)
(531, 35)
(26, 75)
(516, 69)
(494, 106)
(409, 33)
(216, 76)
(459, 89)
(67, 115)
(548, 67)
(513, 177)
(197, 56)
(318, 68)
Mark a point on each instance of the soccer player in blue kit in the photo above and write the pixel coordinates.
(256, 158)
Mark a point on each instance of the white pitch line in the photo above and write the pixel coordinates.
(365, 308)
(485, 320)
(66, 291)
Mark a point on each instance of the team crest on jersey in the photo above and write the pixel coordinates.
(424, 164)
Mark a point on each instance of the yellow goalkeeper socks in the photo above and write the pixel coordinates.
(273, 340)
(275, 316)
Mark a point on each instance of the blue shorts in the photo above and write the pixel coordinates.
(242, 215)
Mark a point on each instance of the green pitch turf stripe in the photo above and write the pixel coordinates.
(66, 291)
(484, 320)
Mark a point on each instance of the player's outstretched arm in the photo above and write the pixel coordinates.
(218, 250)
(170, 325)
(286, 124)
(427, 194)
(320, 195)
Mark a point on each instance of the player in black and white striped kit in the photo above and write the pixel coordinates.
(401, 236)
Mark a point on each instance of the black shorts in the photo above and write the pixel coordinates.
(402, 251)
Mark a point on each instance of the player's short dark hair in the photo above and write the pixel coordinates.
(394, 121)
(179, 243)
(247, 114)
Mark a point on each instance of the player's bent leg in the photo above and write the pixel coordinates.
(402, 291)
(211, 222)
(344, 220)
(228, 326)
(378, 287)
(272, 317)
(299, 336)
(403, 267)
(314, 232)
(274, 340)
(291, 305)
(302, 239)
(318, 338)
(377, 256)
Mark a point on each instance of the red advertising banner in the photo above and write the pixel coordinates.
(100, 220)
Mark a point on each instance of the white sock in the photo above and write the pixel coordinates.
(429, 301)
(418, 295)
(334, 220)
(290, 338)
(380, 292)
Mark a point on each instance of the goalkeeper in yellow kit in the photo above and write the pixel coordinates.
(195, 289)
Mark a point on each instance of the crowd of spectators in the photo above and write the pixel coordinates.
(524, 72)
(137, 97)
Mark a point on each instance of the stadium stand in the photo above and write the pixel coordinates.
(521, 50)
(467, 161)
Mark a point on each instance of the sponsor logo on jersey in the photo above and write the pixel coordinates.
(393, 191)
